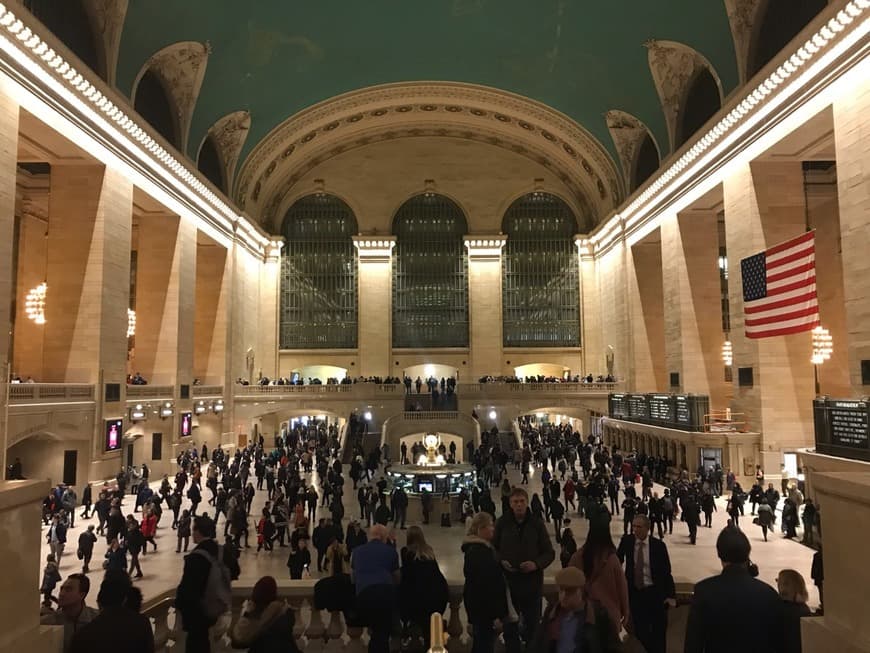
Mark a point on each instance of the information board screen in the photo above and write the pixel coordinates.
(848, 423)
(661, 409)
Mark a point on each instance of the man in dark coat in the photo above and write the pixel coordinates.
(734, 611)
(650, 584)
(524, 549)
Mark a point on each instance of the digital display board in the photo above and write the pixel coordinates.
(114, 431)
(186, 424)
(682, 412)
(842, 427)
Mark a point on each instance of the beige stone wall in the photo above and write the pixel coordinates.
(590, 317)
(646, 307)
(344, 358)
(28, 336)
(852, 138)
(211, 313)
(484, 315)
(611, 269)
(375, 317)
(267, 329)
(693, 314)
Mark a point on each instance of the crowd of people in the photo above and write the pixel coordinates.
(542, 378)
(607, 591)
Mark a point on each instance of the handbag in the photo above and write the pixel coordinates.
(80, 555)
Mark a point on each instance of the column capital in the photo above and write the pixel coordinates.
(273, 249)
(584, 246)
(484, 246)
(374, 248)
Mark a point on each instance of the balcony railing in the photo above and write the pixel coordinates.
(150, 392)
(322, 631)
(24, 393)
(208, 390)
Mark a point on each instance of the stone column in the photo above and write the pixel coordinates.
(614, 322)
(375, 340)
(852, 140)
(692, 295)
(646, 303)
(8, 163)
(764, 206)
(213, 269)
(590, 311)
(270, 272)
(31, 261)
(88, 275)
(484, 303)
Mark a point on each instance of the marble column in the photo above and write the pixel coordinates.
(646, 303)
(268, 329)
(614, 321)
(8, 163)
(764, 206)
(211, 314)
(852, 141)
(590, 311)
(484, 303)
(375, 304)
(692, 295)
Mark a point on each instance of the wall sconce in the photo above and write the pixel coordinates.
(131, 323)
(166, 410)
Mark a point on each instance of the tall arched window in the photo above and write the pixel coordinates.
(782, 21)
(646, 163)
(209, 163)
(69, 22)
(318, 275)
(152, 103)
(702, 101)
(540, 291)
(430, 274)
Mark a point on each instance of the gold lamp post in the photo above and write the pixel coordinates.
(823, 347)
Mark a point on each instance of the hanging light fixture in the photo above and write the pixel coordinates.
(34, 303)
(823, 345)
(131, 323)
(727, 354)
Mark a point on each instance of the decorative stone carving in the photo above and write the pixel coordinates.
(229, 134)
(181, 68)
(107, 21)
(410, 109)
(674, 66)
(743, 16)
(627, 133)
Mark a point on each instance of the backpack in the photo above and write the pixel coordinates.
(217, 598)
(667, 504)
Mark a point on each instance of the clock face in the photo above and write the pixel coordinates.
(431, 441)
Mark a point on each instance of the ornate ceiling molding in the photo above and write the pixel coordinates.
(107, 21)
(181, 67)
(743, 16)
(627, 133)
(674, 66)
(443, 109)
(229, 134)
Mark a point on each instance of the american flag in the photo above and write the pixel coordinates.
(779, 289)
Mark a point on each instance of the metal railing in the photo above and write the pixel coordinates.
(208, 390)
(21, 393)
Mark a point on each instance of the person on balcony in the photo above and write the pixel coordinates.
(266, 623)
(375, 572)
(71, 613)
(118, 621)
(485, 595)
(423, 588)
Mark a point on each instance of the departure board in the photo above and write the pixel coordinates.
(618, 406)
(638, 407)
(661, 408)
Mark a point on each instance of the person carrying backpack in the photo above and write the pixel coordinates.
(203, 596)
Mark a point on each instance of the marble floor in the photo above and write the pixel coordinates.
(162, 569)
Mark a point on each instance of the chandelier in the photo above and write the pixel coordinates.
(131, 323)
(823, 345)
(34, 303)
(727, 354)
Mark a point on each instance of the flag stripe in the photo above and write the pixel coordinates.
(791, 286)
(760, 308)
(780, 317)
(803, 238)
(790, 272)
(784, 331)
(790, 257)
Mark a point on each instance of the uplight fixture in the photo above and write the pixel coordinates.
(34, 303)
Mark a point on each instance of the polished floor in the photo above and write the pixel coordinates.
(162, 569)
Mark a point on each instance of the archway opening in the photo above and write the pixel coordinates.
(209, 163)
(782, 21)
(702, 102)
(646, 162)
(152, 103)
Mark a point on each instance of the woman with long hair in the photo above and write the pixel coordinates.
(793, 591)
(423, 588)
(485, 591)
(605, 578)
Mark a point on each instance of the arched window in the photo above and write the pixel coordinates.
(69, 22)
(318, 275)
(782, 21)
(540, 292)
(152, 103)
(209, 163)
(646, 163)
(430, 274)
(702, 101)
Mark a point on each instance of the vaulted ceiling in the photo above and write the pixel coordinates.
(275, 58)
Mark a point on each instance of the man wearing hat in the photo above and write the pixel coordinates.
(574, 623)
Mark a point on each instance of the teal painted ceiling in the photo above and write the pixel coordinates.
(277, 57)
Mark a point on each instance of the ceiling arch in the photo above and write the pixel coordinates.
(444, 109)
(628, 133)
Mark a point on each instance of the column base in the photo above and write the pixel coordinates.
(41, 638)
(817, 636)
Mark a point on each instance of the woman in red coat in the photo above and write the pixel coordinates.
(149, 529)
